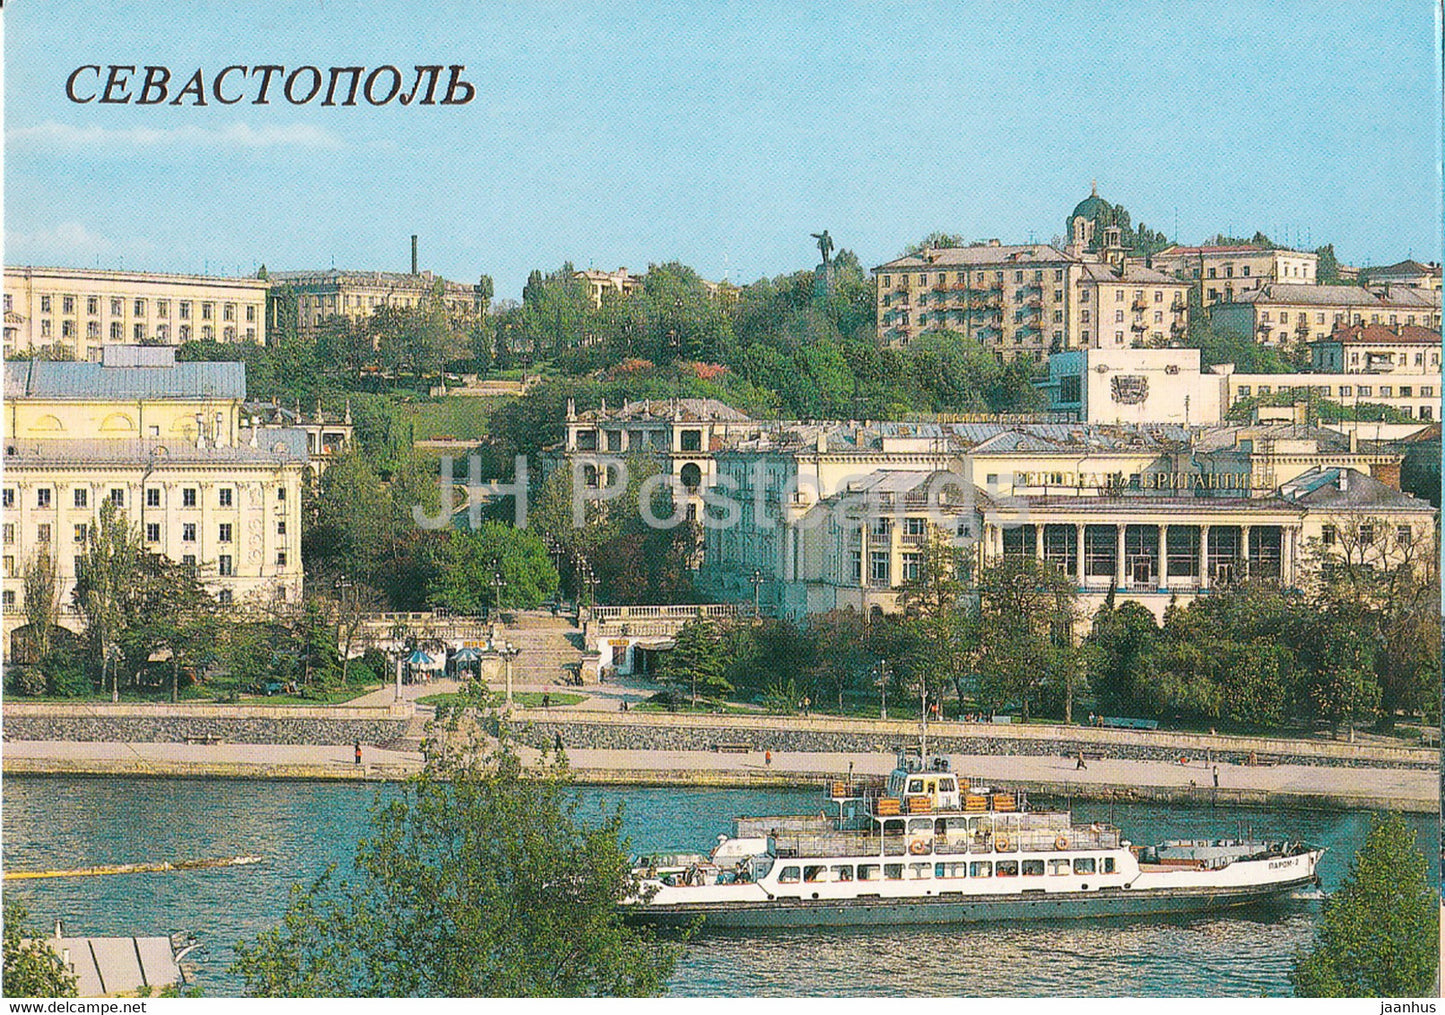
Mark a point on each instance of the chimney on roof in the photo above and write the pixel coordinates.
(413, 253)
(1342, 482)
(1354, 439)
(571, 408)
(993, 242)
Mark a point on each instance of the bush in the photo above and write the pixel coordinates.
(375, 661)
(358, 674)
(68, 679)
(29, 681)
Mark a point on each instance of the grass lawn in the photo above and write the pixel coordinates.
(463, 417)
(213, 693)
(523, 699)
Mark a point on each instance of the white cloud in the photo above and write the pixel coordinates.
(236, 135)
(73, 243)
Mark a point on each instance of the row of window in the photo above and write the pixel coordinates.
(225, 568)
(818, 873)
(225, 496)
(223, 596)
(1347, 390)
(962, 278)
(138, 308)
(152, 533)
(138, 332)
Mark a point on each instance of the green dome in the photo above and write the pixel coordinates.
(1089, 206)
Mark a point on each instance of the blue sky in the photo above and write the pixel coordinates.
(721, 134)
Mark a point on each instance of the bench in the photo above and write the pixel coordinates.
(733, 748)
(209, 738)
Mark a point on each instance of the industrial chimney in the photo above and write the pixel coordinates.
(413, 253)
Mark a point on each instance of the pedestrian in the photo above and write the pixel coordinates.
(767, 757)
(1080, 766)
(358, 752)
(558, 743)
(1216, 776)
(546, 700)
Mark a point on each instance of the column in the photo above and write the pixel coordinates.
(1244, 551)
(1079, 556)
(1119, 554)
(1038, 541)
(1204, 556)
(1163, 556)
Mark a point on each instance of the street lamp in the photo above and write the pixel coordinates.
(509, 652)
(883, 685)
(498, 583)
(757, 582)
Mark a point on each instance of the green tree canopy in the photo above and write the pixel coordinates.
(465, 564)
(1380, 932)
(479, 880)
(32, 969)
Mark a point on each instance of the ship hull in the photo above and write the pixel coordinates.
(948, 909)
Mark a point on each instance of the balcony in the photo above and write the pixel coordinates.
(1139, 305)
(1139, 326)
(1179, 306)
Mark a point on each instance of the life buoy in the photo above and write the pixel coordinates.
(918, 847)
(1001, 843)
(1062, 842)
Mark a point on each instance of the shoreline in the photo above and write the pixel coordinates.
(1133, 784)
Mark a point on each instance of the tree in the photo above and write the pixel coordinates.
(42, 602)
(1327, 268)
(466, 563)
(1379, 934)
(32, 969)
(1026, 609)
(479, 880)
(696, 661)
(107, 577)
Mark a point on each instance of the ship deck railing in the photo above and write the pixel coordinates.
(840, 844)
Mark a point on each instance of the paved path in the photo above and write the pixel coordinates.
(1414, 790)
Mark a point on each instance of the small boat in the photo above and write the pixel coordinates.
(925, 847)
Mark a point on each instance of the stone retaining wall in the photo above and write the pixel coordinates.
(170, 724)
(579, 734)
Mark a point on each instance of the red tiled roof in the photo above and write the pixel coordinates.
(1383, 334)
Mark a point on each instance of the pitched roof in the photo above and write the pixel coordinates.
(1383, 334)
(1409, 266)
(688, 409)
(1311, 295)
(1347, 489)
(77, 381)
(979, 254)
(1099, 272)
(273, 446)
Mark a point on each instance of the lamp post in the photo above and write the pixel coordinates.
(509, 652)
(883, 686)
(757, 582)
(498, 583)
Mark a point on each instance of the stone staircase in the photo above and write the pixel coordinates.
(551, 648)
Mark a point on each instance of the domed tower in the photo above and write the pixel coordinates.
(1081, 222)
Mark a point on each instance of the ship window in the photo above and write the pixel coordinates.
(919, 871)
(980, 869)
(1108, 865)
(816, 873)
(1058, 866)
(946, 786)
(915, 785)
(894, 827)
(1033, 868)
(893, 871)
(1008, 869)
(789, 876)
(950, 870)
(921, 826)
(843, 873)
(1084, 865)
(867, 872)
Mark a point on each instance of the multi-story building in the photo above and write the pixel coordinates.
(1408, 272)
(1378, 349)
(359, 294)
(82, 310)
(601, 282)
(327, 434)
(168, 444)
(1278, 314)
(1013, 299)
(1222, 272)
(1035, 299)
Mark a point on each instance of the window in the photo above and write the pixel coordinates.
(1084, 865)
(45, 328)
(225, 596)
(45, 304)
(188, 532)
(911, 562)
(692, 440)
(9, 569)
(153, 497)
(7, 498)
(1244, 391)
(280, 528)
(1386, 390)
(1033, 868)
(228, 312)
(893, 871)
(117, 497)
(878, 567)
(1118, 317)
(1427, 391)
(153, 532)
(42, 532)
(1212, 274)
(81, 497)
(188, 560)
(1404, 535)
(208, 333)
(9, 533)
(224, 567)
(139, 332)
(163, 308)
(9, 594)
(1364, 391)
(1346, 390)
(92, 329)
(225, 496)
(280, 493)
(224, 532)
(82, 531)
(1367, 535)
(1284, 317)
(281, 558)
(42, 497)
(980, 869)
(140, 308)
(869, 872)
(188, 497)
(117, 307)
(1405, 391)
(790, 876)
(185, 310)
(1084, 316)
(92, 305)
(208, 311)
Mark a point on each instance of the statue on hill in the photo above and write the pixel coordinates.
(825, 245)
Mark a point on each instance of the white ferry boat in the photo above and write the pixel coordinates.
(926, 848)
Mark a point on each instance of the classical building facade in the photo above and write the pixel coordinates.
(1408, 272)
(1378, 349)
(1222, 272)
(1280, 314)
(359, 294)
(166, 443)
(83, 310)
(599, 283)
